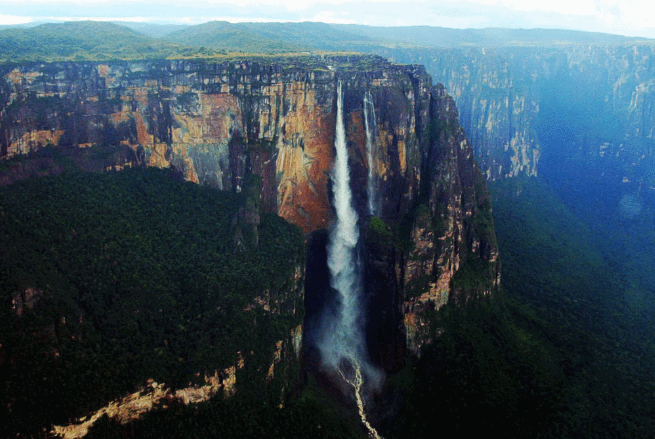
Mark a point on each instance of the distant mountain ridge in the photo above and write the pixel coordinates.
(90, 40)
(324, 36)
(81, 40)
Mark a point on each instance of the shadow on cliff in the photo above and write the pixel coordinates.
(384, 336)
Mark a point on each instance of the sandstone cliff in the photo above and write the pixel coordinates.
(219, 123)
(526, 109)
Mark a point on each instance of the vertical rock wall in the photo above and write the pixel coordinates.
(530, 110)
(218, 123)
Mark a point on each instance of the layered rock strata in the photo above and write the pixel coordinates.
(531, 110)
(217, 123)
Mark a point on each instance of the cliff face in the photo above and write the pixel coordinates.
(209, 122)
(219, 123)
(455, 255)
(526, 109)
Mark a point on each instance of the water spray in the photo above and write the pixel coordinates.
(342, 342)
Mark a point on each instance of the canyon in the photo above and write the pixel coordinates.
(264, 129)
(553, 110)
(559, 122)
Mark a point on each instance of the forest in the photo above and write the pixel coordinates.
(170, 289)
(112, 279)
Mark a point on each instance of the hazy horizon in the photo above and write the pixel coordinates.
(611, 16)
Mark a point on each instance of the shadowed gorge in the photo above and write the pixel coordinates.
(340, 338)
(577, 237)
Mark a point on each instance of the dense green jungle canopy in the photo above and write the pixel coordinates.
(135, 276)
(137, 262)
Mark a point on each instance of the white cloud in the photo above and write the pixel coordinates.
(13, 19)
(130, 19)
(640, 11)
(292, 5)
(634, 15)
(333, 17)
(627, 17)
(564, 7)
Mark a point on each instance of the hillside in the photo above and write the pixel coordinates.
(83, 40)
(113, 280)
(332, 37)
(130, 41)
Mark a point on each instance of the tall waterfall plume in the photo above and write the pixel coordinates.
(343, 336)
(371, 124)
(342, 343)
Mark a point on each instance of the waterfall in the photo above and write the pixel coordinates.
(344, 338)
(371, 124)
(342, 342)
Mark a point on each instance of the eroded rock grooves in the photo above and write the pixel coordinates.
(371, 184)
(529, 110)
(216, 123)
(342, 337)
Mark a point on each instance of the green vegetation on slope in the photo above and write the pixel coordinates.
(281, 37)
(235, 38)
(554, 263)
(272, 37)
(134, 278)
(85, 40)
(312, 415)
(562, 353)
(233, 418)
(104, 41)
(490, 372)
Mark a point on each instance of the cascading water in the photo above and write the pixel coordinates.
(342, 342)
(371, 123)
(344, 339)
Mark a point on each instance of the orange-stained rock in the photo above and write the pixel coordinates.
(143, 136)
(217, 123)
(158, 156)
(34, 140)
(103, 70)
(304, 155)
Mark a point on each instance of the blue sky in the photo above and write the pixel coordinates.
(625, 17)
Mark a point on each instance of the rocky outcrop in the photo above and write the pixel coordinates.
(154, 395)
(222, 123)
(498, 100)
(454, 254)
(211, 122)
(528, 110)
